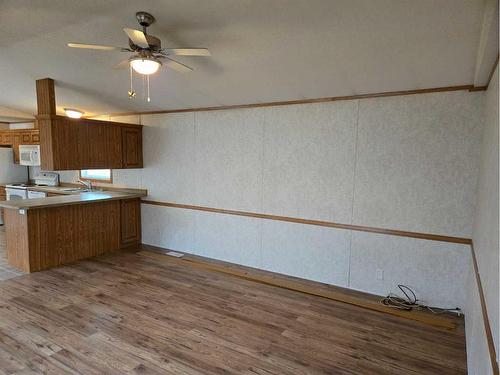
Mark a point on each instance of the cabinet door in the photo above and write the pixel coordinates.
(35, 137)
(97, 142)
(130, 221)
(105, 146)
(132, 147)
(114, 146)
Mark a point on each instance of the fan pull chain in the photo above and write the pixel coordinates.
(149, 99)
(131, 93)
(144, 87)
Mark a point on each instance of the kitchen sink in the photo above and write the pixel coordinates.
(79, 190)
(75, 190)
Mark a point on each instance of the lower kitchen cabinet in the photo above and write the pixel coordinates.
(45, 237)
(131, 221)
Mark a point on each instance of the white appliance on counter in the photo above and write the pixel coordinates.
(47, 179)
(29, 155)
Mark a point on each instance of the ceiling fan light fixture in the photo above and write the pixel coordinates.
(73, 113)
(145, 65)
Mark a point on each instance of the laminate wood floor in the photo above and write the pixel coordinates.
(6, 272)
(134, 314)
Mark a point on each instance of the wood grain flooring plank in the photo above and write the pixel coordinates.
(127, 313)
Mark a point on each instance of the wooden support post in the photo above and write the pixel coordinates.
(45, 96)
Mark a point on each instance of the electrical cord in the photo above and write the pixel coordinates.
(410, 302)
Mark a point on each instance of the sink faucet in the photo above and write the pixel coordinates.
(87, 184)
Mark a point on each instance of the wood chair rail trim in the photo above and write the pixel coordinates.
(487, 327)
(359, 228)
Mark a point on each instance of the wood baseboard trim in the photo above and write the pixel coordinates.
(487, 327)
(339, 294)
(303, 101)
(391, 232)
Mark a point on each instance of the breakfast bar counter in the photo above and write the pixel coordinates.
(69, 199)
(49, 232)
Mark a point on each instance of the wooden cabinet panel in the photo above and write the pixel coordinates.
(68, 148)
(96, 140)
(105, 146)
(3, 197)
(132, 147)
(68, 144)
(49, 237)
(130, 221)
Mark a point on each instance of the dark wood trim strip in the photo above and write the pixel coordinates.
(487, 327)
(344, 295)
(479, 88)
(492, 72)
(305, 101)
(391, 232)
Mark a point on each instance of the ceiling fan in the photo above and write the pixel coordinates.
(148, 54)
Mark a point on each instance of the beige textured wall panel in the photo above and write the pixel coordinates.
(436, 271)
(486, 223)
(306, 251)
(308, 165)
(230, 238)
(417, 162)
(228, 159)
(169, 157)
(171, 228)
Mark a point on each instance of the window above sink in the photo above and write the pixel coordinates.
(96, 175)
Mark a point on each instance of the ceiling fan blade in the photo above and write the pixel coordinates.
(96, 46)
(122, 65)
(137, 37)
(176, 65)
(186, 52)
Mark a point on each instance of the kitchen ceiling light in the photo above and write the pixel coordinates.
(145, 66)
(73, 113)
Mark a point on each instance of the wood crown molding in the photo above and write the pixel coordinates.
(470, 88)
(391, 232)
(487, 327)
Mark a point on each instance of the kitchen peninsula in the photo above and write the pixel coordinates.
(48, 232)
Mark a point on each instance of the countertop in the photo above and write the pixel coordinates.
(70, 199)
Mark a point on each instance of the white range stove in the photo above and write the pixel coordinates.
(22, 191)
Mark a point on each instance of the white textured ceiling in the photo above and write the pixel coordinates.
(262, 50)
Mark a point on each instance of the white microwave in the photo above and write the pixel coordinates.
(29, 155)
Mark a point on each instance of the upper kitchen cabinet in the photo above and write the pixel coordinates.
(72, 144)
(132, 146)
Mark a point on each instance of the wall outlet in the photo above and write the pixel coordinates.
(380, 274)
